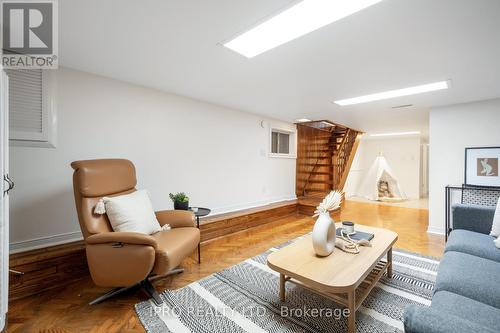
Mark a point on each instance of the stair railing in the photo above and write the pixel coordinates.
(341, 158)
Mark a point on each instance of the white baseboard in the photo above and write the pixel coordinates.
(38, 243)
(435, 231)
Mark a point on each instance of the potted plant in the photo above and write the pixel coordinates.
(181, 200)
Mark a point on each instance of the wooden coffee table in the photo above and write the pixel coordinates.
(345, 278)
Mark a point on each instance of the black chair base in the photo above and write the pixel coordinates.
(144, 284)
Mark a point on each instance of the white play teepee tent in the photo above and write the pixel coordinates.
(380, 183)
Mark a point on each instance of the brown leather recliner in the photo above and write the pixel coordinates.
(126, 259)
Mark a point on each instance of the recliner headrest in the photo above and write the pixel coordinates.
(96, 178)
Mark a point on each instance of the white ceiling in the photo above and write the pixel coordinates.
(174, 45)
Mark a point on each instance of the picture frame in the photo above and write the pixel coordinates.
(482, 166)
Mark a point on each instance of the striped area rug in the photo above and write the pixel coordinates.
(244, 298)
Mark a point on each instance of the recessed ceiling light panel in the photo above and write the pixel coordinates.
(402, 106)
(298, 20)
(394, 93)
(396, 134)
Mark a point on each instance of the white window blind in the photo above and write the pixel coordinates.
(28, 111)
(282, 142)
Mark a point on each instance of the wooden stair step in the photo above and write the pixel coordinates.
(320, 157)
(317, 187)
(302, 176)
(317, 152)
(318, 181)
(323, 144)
(311, 180)
(316, 164)
(307, 204)
(313, 194)
(326, 150)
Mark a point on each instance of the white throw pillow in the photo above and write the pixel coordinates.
(495, 228)
(132, 212)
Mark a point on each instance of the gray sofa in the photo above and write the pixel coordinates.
(467, 291)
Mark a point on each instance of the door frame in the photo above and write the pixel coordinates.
(4, 199)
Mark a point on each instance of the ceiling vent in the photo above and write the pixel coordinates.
(402, 106)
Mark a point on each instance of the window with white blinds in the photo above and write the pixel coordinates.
(283, 142)
(29, 113)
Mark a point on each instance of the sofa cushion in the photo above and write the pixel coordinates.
(466, 308)
(424, 319)
(469, 276)
(474, 243)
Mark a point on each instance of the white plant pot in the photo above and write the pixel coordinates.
(323, 235)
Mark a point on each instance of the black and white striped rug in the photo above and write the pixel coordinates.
(244, 298)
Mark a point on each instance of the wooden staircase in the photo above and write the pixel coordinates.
(325, 152)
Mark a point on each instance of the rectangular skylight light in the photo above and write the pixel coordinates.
(394, 93)
(396, 133)
(298, 20)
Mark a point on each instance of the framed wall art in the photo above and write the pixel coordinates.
(482, 166)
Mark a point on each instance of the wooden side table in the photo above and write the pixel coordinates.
(199, 212)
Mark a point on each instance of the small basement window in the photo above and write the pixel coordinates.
(282, 143)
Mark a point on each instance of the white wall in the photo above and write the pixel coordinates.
(452, 129)
(216, 155)
(357, 171)
(402, 155)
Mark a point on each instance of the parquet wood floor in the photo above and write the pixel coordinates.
(66, 310)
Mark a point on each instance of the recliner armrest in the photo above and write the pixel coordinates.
(176, 218)
(122, 237)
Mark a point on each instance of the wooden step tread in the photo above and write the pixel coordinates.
(316, 164)
(318, 150)
(317, 187)
(313, 194)
(321, 157)
(318, 181)
(303, 176)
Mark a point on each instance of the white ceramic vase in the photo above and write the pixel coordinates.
(323, 235)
